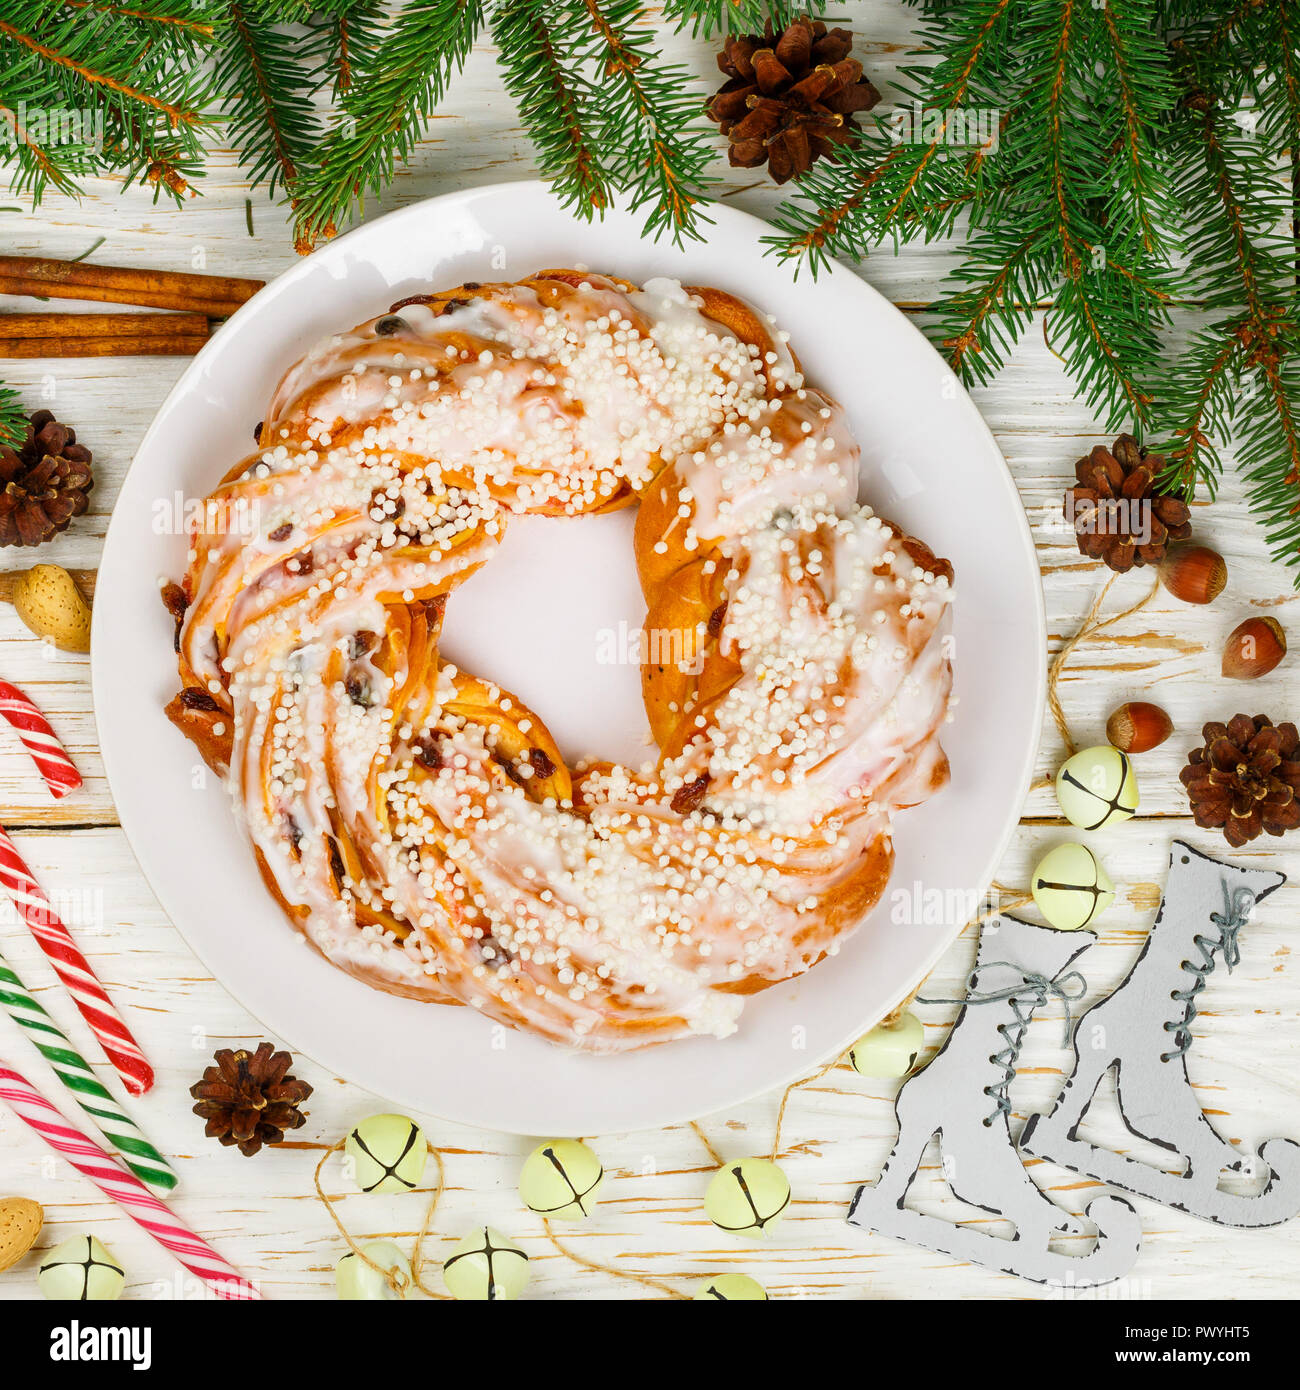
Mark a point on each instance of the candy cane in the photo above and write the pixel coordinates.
(40, 741)
(126, 1190)
(74, 970)
(85, 1087)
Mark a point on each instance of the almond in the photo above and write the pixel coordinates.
(1194, 573)
(1137, 727)
(20, 1224)
(48, 600)
(1253, 649)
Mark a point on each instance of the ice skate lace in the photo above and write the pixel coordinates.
(1031, 993)
(1236, 912)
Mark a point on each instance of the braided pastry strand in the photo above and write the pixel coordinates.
(417, 823)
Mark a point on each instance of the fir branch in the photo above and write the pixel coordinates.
(1241, 374)
(650, 118)
(883, 185)
(706, 18)
(37, 165)
(1270, 450)
(978, 323)
(1138, 63)
(269, 113)
(556, 102)
(383, 114)
(182, 24)
(342, 36)
(167, 166)
(118, 93)
(1069, 209)
(1198, 398)
(13, 419)
(97, 74)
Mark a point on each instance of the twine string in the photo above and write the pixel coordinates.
(396, 1279)
(1092, 624)
(785, 1100)
(648, 1280)
(704, 1139)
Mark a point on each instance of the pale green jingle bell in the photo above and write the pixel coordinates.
(1097, 787)
(1070, 887)
(731, 1288)
(889, 1050)
(80, 1268)
(485, 1266)
(354, 1279)
(561, 1179)
(387, 1154)
(748, 1197)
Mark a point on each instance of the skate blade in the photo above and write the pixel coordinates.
(1278, 1202)
(1119, 1239)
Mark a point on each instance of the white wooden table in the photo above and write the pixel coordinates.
(261, 1212)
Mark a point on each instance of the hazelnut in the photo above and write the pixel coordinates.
(1137, 727)
(1253, 649)
(1194, 573)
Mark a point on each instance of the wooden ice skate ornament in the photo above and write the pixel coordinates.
(962, 1097)
(1143, 1033)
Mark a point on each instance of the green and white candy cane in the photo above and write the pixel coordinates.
(560, 1179)
(87, 1089)
(80, 1269)
(731, 1288)
(1070, 887)
(387, 1153)
(485, 1267)
(1097, 787)
(889, 1050)
(355, 1280)
(747, 1197)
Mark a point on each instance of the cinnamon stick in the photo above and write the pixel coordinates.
(176, 345)
(216, 295)
(103, 326)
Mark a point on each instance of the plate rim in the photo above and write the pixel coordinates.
(667, 1114)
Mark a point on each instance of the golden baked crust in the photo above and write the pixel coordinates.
(418, 823)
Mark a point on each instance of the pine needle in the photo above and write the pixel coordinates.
(556, 100)
(382, 114)
(13, 420)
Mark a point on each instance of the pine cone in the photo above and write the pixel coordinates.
(1117, 514)
(44, 482)
(1245, 779)
(250, 1100)
(791, 99)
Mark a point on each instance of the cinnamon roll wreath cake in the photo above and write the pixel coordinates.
(416, 822)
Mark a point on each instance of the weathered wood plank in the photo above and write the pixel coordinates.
(261, 1212)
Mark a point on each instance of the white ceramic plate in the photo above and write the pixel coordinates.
(530, 619)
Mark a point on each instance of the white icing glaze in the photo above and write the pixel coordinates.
(393, 458)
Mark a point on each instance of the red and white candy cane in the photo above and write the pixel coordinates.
(73, 969)
(123, 1187)
(40, 741)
